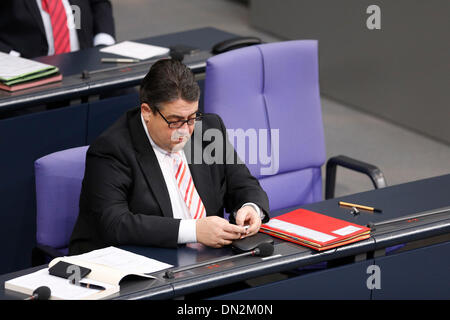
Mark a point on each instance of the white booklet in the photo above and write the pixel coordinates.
(136, 50)
(17, 69)
(109, 266)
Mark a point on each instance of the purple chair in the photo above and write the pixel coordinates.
(58, 186)
(271, 92)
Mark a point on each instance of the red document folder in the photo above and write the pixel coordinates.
(31, 83)
(314, 230)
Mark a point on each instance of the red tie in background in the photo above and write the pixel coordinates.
(58, 18)
(187, 188)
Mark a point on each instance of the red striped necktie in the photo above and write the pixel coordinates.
(186, 186)
(58, 18)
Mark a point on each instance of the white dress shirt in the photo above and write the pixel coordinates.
(187, 232)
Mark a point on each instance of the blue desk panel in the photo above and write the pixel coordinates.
(417, 274)
(345, 282)
(23, 140)
(103, 113)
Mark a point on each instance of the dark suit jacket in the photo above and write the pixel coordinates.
(124, 199)
(22, 29)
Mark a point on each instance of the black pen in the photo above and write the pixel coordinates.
(88, 285)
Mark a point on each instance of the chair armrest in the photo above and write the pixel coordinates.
(370, 170)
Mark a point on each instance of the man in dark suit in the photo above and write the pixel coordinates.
(32, 28)
(150, 178)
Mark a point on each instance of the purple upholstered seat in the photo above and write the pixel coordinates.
(58, 186)
(272, 90)
(274, 87)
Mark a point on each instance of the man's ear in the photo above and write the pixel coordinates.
(145, 111)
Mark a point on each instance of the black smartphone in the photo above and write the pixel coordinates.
(250, 243)
(62, 269)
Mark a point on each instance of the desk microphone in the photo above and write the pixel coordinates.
(262, 250)
(176, 55)
(41, 293)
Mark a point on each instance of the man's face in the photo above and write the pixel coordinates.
(170, 139)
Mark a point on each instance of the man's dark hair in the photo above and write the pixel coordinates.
(168, 80)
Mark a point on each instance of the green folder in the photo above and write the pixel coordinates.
(31, 76)
(14, 70)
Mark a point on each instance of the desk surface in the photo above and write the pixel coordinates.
(396, 201)
(73, 64)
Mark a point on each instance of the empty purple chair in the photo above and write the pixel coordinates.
(58, 186)
(269, 99)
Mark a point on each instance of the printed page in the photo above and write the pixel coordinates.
(111, 265)
(136, 50)
(98, 272)
(123, 260)
(12, 67)
(60, 288)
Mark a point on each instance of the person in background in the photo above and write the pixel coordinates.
(33, 28)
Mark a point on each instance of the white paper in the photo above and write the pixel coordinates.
(123, 260)
(136, 50)
(299, 230)
(346, 230)
(11, 66)
(60, 288)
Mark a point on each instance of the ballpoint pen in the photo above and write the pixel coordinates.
(88, 285)
(119, 60)
(359, 206)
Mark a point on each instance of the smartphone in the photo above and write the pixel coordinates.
(64, 270)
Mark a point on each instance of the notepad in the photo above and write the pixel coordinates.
(314, 230)
(17, 69)
(60, 288)
(136, 50)
(109, 267)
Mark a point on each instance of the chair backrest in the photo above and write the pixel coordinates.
(272, 91)
(58, 186)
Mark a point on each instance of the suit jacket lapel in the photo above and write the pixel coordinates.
(149, 163)
(36, 14)
(202, 181)
(199, 170)
(82, 33)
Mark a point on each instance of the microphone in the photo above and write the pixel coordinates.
(262, 250)
(176, 55)
(41, 293)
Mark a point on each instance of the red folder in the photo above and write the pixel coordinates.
(31, 83)
(314, 230)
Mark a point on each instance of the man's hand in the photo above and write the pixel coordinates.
(217, 232)
(247, 216)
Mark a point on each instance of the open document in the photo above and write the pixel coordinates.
(109, 266)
